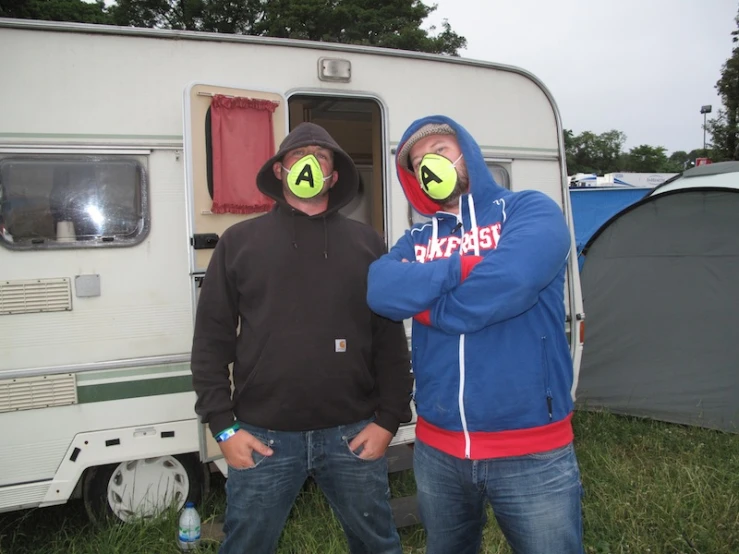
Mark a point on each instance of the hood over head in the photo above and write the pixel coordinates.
(310, 134)
(482, 184)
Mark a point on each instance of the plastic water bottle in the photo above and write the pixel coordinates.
(189, 532)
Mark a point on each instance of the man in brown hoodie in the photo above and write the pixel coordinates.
(321, 383)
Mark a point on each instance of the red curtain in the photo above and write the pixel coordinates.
(243, 139)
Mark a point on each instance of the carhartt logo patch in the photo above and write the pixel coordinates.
(340, 345)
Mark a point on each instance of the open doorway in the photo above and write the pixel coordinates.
(356, 124)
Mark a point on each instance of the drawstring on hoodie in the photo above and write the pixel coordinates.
(473, 221)
(325, 238)
(295, 230)
(325, 234)
(460, 224)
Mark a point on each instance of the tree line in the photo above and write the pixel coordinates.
(603, 153)
(383, 23)
(724, 129)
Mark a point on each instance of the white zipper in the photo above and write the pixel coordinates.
(462, 415)
(473, 225)
(467, 445)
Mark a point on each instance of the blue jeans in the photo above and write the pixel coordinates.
(259, 498)
(536, 500)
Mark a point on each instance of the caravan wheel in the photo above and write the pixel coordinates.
(142, 488)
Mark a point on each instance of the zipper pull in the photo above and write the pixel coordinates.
(549, 404)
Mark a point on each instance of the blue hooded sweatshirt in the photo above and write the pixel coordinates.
(485, 287)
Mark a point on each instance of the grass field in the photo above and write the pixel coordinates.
(650, 488)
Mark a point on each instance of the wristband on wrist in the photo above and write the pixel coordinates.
(227, 433)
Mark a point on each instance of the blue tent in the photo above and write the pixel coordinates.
(593, 206)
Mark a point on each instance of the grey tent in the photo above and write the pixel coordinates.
(661, 294)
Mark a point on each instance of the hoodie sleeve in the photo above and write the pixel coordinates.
(391, 360)
(214, 342)
(391, 365)
(399, 290)
(532, 250)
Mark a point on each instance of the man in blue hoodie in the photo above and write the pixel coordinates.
(484, 282)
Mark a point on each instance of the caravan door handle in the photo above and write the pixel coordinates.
(203, 241)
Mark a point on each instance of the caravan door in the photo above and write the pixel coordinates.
(204, 226)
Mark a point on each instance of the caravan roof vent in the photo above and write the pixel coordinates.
(35, 295)
(335, 70)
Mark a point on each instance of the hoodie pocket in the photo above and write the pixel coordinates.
(308, 361)
(546, 371)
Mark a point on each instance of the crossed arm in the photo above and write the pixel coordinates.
(463, 294)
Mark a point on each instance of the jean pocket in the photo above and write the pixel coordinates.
(266, 437)
(256, 457)
(350, 432)
(551, 454)
(356, 453)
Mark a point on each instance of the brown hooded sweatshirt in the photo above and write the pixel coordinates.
(309, 353)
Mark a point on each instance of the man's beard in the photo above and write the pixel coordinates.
(462, 187)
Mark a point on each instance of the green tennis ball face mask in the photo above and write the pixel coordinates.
(437, 176)
(305, 178)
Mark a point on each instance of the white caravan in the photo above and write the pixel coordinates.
(106, 226)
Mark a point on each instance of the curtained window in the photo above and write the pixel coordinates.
(241, 140)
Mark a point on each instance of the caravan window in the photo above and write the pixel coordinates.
(54, 202)
(500, 174)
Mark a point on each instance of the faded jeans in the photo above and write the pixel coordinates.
(259, 498)
(536, 500)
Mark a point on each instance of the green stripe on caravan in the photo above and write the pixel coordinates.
(154, 371)
(133, 389)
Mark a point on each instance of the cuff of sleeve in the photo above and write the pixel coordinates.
(467, 264)
(220, 422)
(387, 421)
(424, 318)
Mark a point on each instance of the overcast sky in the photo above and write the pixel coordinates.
(643, 67)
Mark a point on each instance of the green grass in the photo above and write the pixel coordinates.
(657, 488)
(650, 488)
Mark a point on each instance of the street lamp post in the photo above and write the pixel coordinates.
(705, 110)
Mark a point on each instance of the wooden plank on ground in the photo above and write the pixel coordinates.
(405, 511)
(212, 530)
(399, 457)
